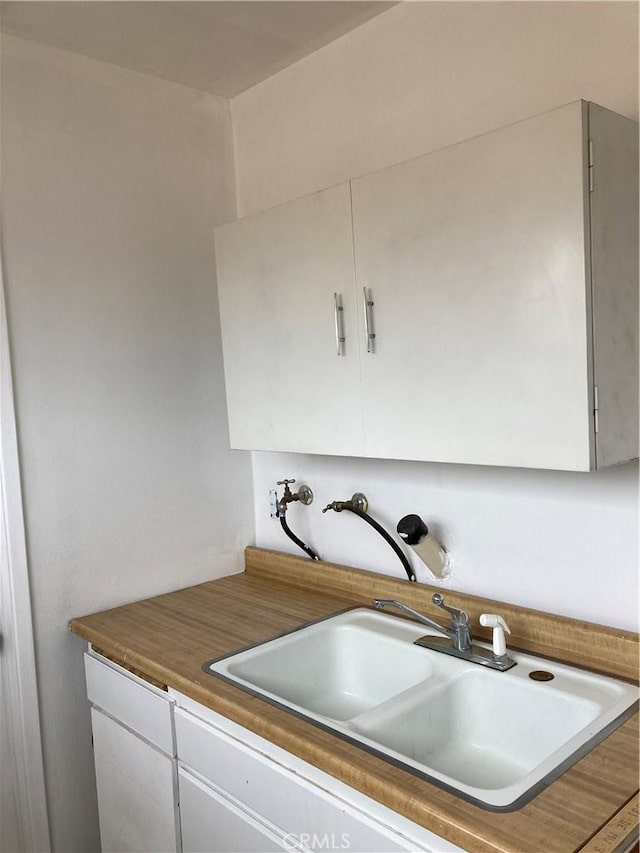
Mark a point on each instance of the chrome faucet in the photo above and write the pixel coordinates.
(459, 634)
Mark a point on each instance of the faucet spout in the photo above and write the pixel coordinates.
(380, 603)
(337, 506)
(357, 503)
(459, 633)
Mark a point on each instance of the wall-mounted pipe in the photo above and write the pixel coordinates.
(359, 505)
(305, 496)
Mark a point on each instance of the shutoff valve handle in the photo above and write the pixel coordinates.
(492, 620)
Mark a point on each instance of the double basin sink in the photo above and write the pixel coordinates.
(493, 738)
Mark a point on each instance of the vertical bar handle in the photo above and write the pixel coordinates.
(338, 312)
(368, 325)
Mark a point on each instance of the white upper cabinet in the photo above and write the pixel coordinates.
(503, 273)
(283, 276)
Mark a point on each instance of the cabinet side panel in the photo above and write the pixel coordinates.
(614, 239)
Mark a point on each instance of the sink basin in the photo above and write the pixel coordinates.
(494, 738)
(484, 731)
(331, 668)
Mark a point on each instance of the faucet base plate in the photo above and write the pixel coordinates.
(476, 654)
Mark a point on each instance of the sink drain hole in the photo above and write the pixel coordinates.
(541, 675)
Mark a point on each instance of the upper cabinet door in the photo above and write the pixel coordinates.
(286, 289)
(476, 261)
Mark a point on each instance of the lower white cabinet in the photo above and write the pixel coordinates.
(135, 761)
(136, 790)
(175, 776)
(212, 823)
(238, 788)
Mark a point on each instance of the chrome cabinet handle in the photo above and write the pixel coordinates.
(368, 326)
(338, 312)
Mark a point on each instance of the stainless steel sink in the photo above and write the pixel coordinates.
(494, 738)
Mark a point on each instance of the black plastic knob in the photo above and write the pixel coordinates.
(412, 529)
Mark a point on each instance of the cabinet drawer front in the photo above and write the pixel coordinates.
(142, 708)
(136, 791)
(300, 809)
(213, 824)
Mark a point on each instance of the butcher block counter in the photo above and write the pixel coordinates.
(592, 807)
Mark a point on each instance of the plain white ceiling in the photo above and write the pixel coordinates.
(218, 46)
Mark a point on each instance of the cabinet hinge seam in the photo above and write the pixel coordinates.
(596, 409)
(591, 165)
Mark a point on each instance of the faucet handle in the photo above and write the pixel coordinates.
(459, 617)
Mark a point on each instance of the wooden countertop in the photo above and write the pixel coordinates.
(593, 807)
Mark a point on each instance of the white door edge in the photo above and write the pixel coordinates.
(16, 625)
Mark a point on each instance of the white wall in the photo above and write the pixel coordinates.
(424, 75)
(418, 77)
(112, 183)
